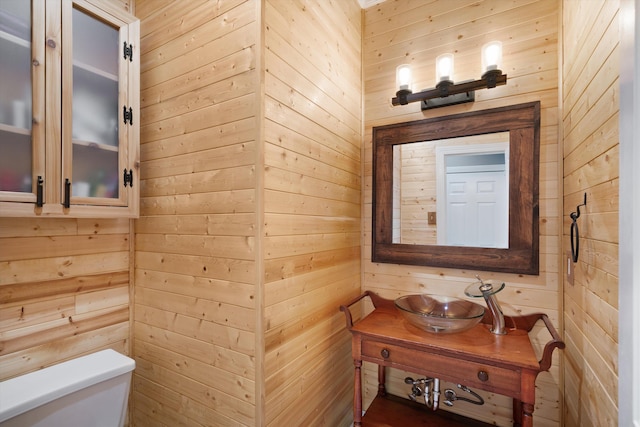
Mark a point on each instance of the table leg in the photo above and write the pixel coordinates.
(382, 379)
(517, 413)
(527, 414)
(357, 394)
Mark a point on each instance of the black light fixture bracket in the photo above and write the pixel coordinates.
(446, 97)
(448, 93)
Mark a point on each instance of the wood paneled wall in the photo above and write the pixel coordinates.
(249, 236)
(312, 208)
(64, 290)
(397, 32)
(590, 94)
(195, 247)
(250, 229)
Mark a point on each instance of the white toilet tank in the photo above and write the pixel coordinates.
(90, 391)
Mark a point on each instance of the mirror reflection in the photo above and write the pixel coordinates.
(452, 192)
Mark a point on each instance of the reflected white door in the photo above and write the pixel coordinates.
(477, 209)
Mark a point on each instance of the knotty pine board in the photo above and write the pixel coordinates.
(61, 282)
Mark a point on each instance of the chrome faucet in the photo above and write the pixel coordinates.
(487, 291)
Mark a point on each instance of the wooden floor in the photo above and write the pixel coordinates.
(393, 411)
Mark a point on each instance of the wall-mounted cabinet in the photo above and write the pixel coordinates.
(69, 109)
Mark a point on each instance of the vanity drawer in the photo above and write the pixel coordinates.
(487, 377)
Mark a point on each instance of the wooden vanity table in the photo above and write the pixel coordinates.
(503, 364)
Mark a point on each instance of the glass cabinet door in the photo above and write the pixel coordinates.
(94, 138)
(22, 69)
(69, 109)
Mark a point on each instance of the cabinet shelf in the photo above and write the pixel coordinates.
(93, 70)
(14, 129)
(18, 41)
(96, 145)
(395, 411)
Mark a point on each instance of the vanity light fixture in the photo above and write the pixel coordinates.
(446, 92)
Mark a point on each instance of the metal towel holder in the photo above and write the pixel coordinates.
(575, 234)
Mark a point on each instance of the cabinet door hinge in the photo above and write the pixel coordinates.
(127, 115)
(127, 177)
(128, 51)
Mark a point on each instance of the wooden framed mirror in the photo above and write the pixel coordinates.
(516, 127)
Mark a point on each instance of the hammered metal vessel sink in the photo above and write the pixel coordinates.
(439, 314)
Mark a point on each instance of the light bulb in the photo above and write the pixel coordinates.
(444, 67)
(403, 77)
(492, 56)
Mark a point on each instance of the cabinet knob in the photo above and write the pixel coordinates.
(483, 376)
(384, 353)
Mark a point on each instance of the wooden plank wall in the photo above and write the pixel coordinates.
(417, 194)
(64, 288)
(196, 272)
(312, 208)
(590, 94)
(200, 332)
(416, 33)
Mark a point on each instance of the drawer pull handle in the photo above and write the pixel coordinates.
(384, 353)
(483, 376)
